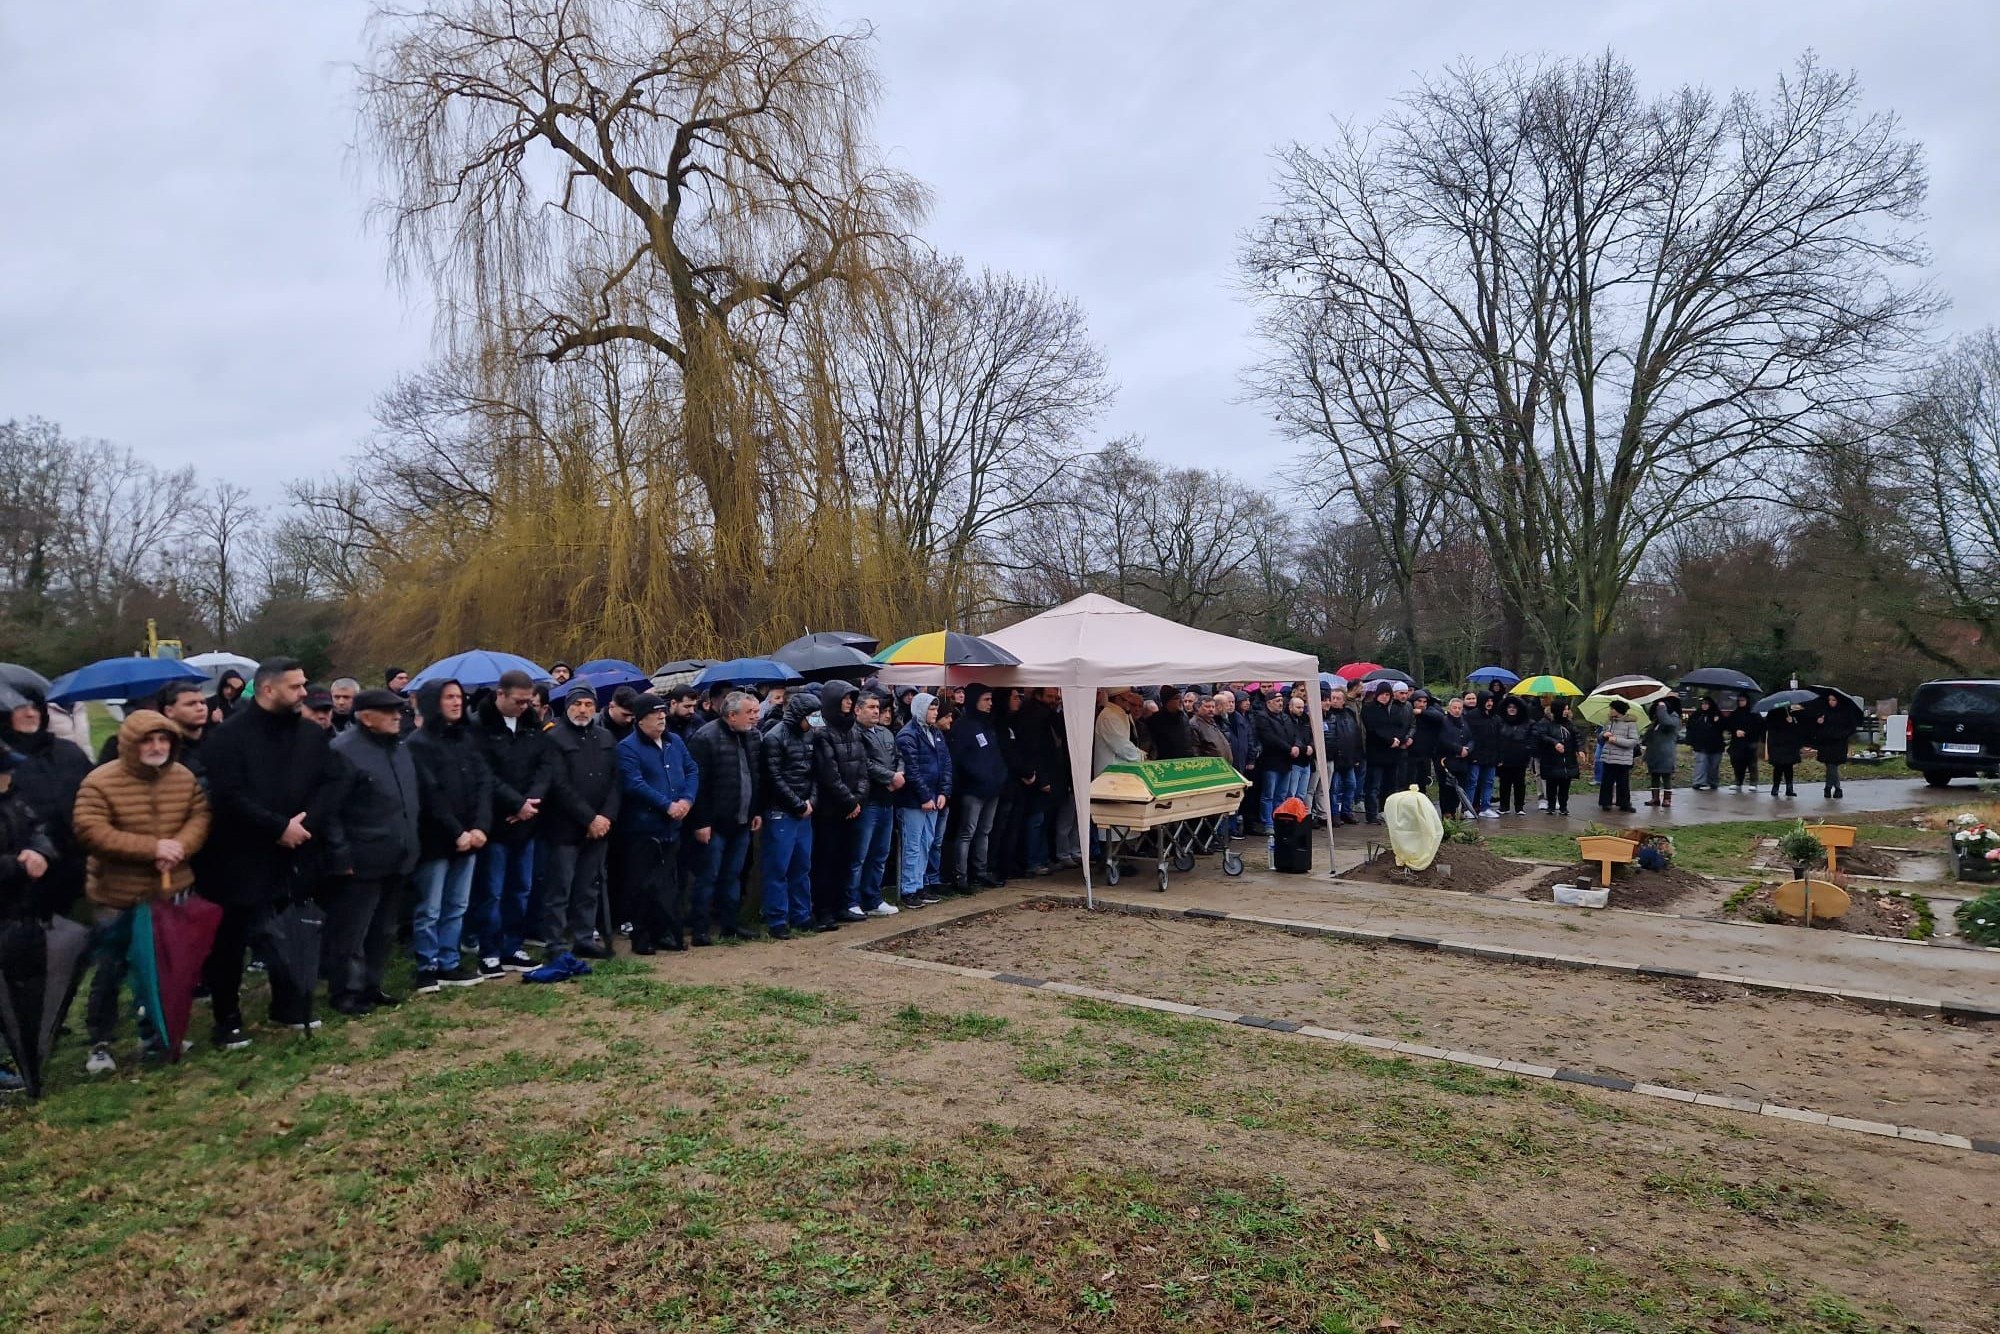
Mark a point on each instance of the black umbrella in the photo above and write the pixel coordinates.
(286, 937)
(1723, 678)
(38, 963)
(684, 667)
(1784, 699)
(822, 657)
(1846, 708)
(15, 675)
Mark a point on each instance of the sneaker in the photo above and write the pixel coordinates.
(518, 962)
(230, 1038)
(929, 898)
(855, 915)
(1489, 814)
(822, 927)
(300, 1025)
(427, 983)
(460, 975)
(781, 933)
(11, 1082)
(912, 902)
(491, 968)
(100, 1062)
(883, 910)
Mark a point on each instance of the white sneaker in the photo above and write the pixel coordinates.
(1489, 814)
(100, 1062)
(883, 910)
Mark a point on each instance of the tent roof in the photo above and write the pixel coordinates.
(1098, 641)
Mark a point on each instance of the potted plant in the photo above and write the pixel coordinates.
(1802, 851)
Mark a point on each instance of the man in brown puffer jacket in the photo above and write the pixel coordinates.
(142, 817)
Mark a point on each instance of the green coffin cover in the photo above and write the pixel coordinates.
(1179, 778)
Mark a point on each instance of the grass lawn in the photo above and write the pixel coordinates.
(784, 1138)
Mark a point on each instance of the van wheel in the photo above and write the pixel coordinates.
(1938, 780)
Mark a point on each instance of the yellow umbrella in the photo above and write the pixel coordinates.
(1546, 685)
(1597, 708)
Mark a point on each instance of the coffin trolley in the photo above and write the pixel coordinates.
(1171, 810)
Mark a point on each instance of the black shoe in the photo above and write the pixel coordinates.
(993, 882)
(781, 933)
(700, 940)
(590, 949)
(230, 1037)
(381, 999)
(675, 946)
(1838, 795)
(643, 948)
(1628, 810)
(354, 1007)
(1790, 793)
(461, 976)
(491, 968)
(910, 902)
(518, 962)
(823, 927)
(427, 983)
(1350, 818)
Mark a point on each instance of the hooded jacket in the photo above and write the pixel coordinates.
(1751, 725)
(264, 768)
(790, 784)
(840, 754)
(1242, 735)
(926, 756)
(977, 766)
(523, 764)
(1426, 735)
(730, 766)
(372, 832)
(1784, 737)
(454, 787)
(1513, 743)
(879, 744)
(1550, 732)
(586, 780)
(1704, 729)
(20, 832)
(1454, 737)
(1662, 738)
(46, 782)
(1485, 725)
(123, 810)
(656, 775)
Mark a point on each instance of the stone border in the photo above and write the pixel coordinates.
(1779, 1111)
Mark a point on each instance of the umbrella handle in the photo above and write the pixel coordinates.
(166, 879)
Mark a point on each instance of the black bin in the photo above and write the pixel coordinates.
(1291, 844)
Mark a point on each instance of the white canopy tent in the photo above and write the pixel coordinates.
(1093, 642)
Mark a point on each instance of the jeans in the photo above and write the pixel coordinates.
(498, 915)
(717, 892)
(570, 898)
(1708, 769)
(1035, 836)
(110, 943)
(969, 846)
(1480, 788)
(787, 854)
(1345, 780)
(871, 855)
(1301, 782)
(1271, 785)
(444, 888)
(918, 830)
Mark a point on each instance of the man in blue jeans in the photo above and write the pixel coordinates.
(790, 787)
(522, 762)
(878, 812)
(920, 802)
(728, 755)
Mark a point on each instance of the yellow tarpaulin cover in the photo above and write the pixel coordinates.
(1415, 832)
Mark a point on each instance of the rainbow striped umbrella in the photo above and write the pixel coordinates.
(946, 648)
(1547, 685)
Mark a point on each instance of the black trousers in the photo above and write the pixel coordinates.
(222, 973)
(1514, 787)
(1616, 789)
(1781, 777)
(832, 864)
(1557, 791)
(657, 895)
(360, 930)
(1743, 767)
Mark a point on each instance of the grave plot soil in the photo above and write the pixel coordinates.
(1473, 870)
(1867, 914)
(1830, 1057)
(1861, 859)
(1647, 891)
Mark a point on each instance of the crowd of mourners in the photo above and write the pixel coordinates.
(516, 829)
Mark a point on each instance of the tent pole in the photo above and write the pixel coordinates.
(1319, 761)
(1080, 727)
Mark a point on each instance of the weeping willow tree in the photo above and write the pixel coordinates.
(622, 205)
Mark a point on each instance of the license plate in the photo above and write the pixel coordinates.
(1960, 747)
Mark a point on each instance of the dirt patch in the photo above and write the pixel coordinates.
(1646, 891)
(1867, 914)
(1861, 859)
(1828, 1056)
(1465, 867)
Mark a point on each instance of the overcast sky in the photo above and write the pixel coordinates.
(184, 266)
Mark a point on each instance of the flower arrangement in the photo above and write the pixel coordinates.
(1975, 849)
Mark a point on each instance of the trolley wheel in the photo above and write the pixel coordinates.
(1110, 870)
(1163, 877)
(1231, 863)
(1183, 862)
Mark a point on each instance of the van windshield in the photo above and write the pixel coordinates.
(1958, 701)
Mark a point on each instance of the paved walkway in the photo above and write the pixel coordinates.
(1789, 956)
(1863, 794)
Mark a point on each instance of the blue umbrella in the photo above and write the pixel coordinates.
(121, 678)
(603, 684)
(747, 672)
(1488, 674)
(475, 668)
(629, 672)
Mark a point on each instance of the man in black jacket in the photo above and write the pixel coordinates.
(577, 824)
(791, 791)
(1385, 727)
(1343, 741)
(728, 810)
(455, 809)
(840, 764)
(271, 784)
(46, 780)
(1168, 728)
(523, 767)
(1426, 742)
(371, 846)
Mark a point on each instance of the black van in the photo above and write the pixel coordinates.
(1955, 730)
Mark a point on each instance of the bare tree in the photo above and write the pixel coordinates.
(1597, 311)
(223, 531)
(1944, 458)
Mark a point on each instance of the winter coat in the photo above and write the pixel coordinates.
(1275, 739)
(587, 781)
(1548, 734)
(790, 785)
(1454, 736)
(1661, 739)
(454, 787)
(1342, 738)
(729, 767)
(1621, 741)
(523, 764)
(1171, 737)
(1742, 748)
(373, 829)
(263, 769)
(1785, 737)
(927, 768)
(1305, 736)
(840, 755)
(1038, 741)
(1209, 740)
(1485, 736)
(1242, 734)
(46, 781)
(1426, 736)
(1704, 731)
(123, 810)
(20, 832)
(654, 775)
(1512, 745)
(978, 769)
(1382, 725)
(878, 744)
(1830, 737)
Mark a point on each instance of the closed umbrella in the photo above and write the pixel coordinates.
(1488, 675)
(1784, 699)
(746, 672)
(1629, 687)
(1546, 685)
(38, 967)
(170, 939)
(1723, 678)
(287, 938)
(946, 648)
(476, 668)
(120, 678)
